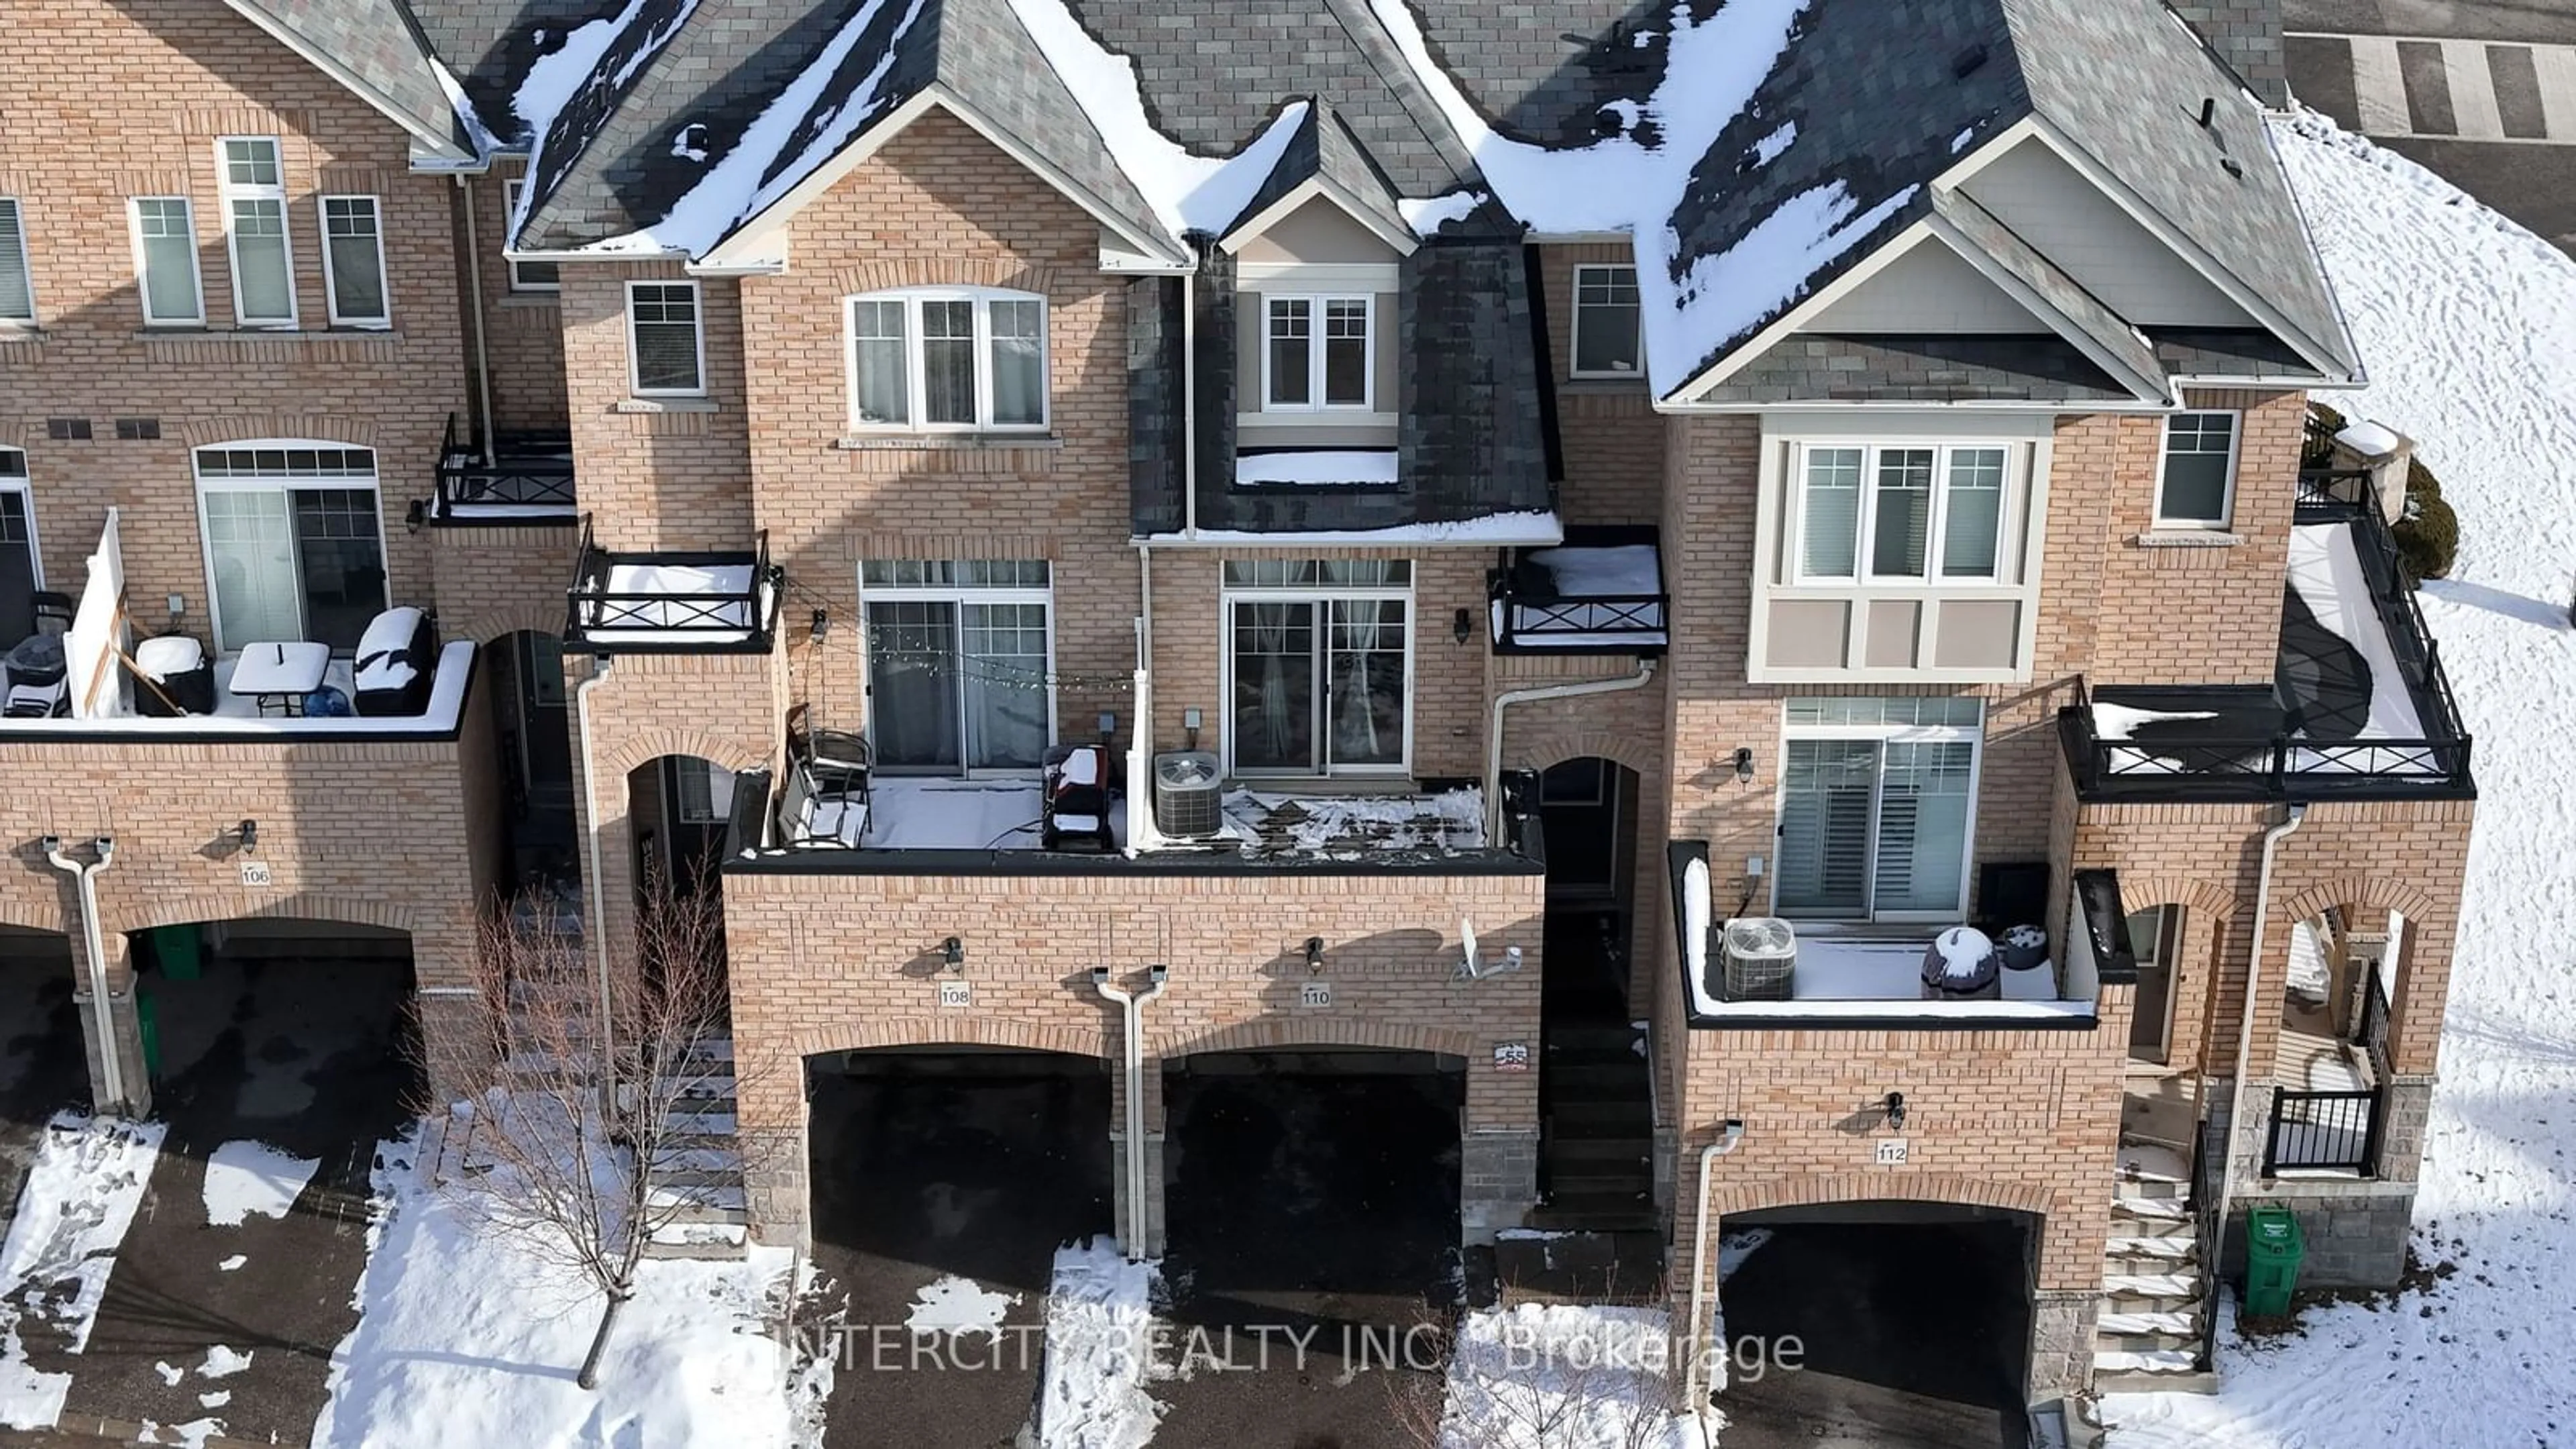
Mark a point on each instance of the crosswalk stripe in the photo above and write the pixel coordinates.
(2379, 87)
(2473, 100)
(2556, 65)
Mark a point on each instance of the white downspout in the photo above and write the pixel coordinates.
(94, 943)
(474, 285)
(1132, 1006)
(1189, 406)
(596, 928)
(1692, 1376)
(1494, 731)
(1141, 832)
(2245, 1049)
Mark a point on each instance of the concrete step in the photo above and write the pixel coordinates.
(1603, 1212)
(2175, 1246)
(2152, 1285)
(2148, 1265)
(699, 1202)
(2175, 1323)
(1621, 1115)
(699, 1240)
(2151, 1162)
(1602, 1184)
(690, 1123)
(2164, 1371)
(1565, 1148)
(692, 1177)
(2145, 1206)
(678, 1158)
(1606, 1038)
(1622, 1083)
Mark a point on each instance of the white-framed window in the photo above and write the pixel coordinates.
(961, 663)
(701, 792)
(1319, 666)
(2196, 478)
(263, 261)
(665, 345)
(22, 568)
(1316, 353)
(1902, 512)
(165, 261)
(353, 261)
(294, 538)
(948, 357)
(1878, 806)
(525, 276)
(1605, 322)
(17, 279)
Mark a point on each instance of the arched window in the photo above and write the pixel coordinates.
(294, 541)
(948, 357)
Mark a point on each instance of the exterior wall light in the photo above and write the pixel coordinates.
(1896, 1111)
(1462, 625)
(1743, 765)
(1315, 955)
(248, 833)
(953, 952)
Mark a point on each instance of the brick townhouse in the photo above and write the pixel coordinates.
(1405, 539)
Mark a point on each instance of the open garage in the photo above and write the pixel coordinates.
(944, 1179)
(1314, 1192)
(1903, 1323)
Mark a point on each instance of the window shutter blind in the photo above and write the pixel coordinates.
(1829, 529)
(1973, 512)
(17, 300)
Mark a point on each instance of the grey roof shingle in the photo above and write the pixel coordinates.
(2102, 327)
(374, 42)
(1323, 147)
(489, 45)
(1821, 367)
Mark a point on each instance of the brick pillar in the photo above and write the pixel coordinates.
(1156, 1239)
(124, 1029)
(453, 1023)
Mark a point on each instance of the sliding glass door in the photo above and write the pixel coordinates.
(959, 674)
(1319, 684)
(1877, 810)
(294, 549)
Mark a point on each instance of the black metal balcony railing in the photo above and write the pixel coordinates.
(673, 602)
(529, 478)
(2254, 749)
(2323, 1130)
(1578, 597)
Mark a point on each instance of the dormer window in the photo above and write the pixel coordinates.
(1315, 352)
(1605, 321)
(948, 358)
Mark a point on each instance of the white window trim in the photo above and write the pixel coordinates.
(1974, 736)
(330, 272)
(511, 189)
(230, 191)
(26, 269)
(1574, 326)
(916, 382)
(960, 595)
(142, 281)
(1315, 366)
(2167, 950)
(698, 334)
(1321, 595)
(279, 483)
(24, 487)
(2227, 501)
(2008, 533)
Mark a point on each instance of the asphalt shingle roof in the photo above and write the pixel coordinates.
(1323, 147)
(1947, 368)
(375, 43)
(2101, 326)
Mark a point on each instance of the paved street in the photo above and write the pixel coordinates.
(2484, 94)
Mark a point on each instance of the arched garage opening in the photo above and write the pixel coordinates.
(42, 1065)
(1887, 1322)
(944, 1179)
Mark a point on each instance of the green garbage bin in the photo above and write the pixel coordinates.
(147, 1027)
(175, 951)
(2274, 1247)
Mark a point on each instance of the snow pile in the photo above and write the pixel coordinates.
(1426, 217)
(81, 1194)
(1964, 952)
(252, 1177)
(2120, 721)
(959, 1306)
(1343, 824)
(1713, 66)
(1566, 1376)
(1528, 528)
(463, 1338)
(2463, 320)
(1318, 467)
(2325, 572)
(1695, 921)
(1733, 1248)
(1099, 1335)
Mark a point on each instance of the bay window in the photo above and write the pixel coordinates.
(1318, 660)
(1316, 352)
(254, 192)
(960, 663)
(1877, 807)
(2196, 481)
(294, 544)
(1918, 513)
(972, 357)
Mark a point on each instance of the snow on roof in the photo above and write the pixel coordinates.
(1318, 467)
(1618, 184)
(2326, 573)
(1521, 529)
(1188, 193)
(593, 65)
(1428, 215)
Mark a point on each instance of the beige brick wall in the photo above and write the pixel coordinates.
(1612, 442)
(139, 115)
(492, 581)
(522, 331)
(663, 473)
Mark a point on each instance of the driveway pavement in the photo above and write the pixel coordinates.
(304, 1055)
(42, 1070)
(968, 1180)
(1315, 1217)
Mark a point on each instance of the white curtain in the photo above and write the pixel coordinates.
(1829, 526)
(1274, 686)
(251, 535)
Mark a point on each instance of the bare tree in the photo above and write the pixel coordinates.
(557, 1120)
(1544, 1388)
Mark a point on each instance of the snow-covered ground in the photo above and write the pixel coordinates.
(464, 1339)
(2468, 326)
(243, 1178)
(1565, 1376)
(80, 1197)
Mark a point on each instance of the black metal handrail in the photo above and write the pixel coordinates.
(2332, 490)
(2246, 766)
(2208, 1162)
(671, 619)
(515, 477)
(1527, 620)
(2372, 1033)
(2333, 1130)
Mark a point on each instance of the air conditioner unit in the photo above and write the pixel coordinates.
(1757, 957)
(1188, 785)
